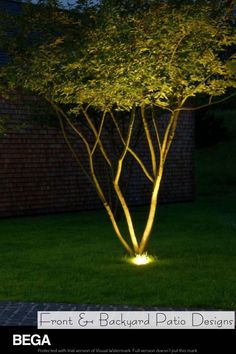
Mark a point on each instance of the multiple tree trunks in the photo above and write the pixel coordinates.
(39, 175)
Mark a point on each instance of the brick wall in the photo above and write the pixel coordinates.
(39, 175)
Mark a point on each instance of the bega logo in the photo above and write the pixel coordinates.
(28, 339)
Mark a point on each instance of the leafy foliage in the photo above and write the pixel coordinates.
(108, 57)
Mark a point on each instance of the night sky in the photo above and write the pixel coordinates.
(72, 2)
(64, 2)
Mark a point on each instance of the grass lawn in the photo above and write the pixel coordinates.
(77, 258)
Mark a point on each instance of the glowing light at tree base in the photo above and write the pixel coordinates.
(141, 259)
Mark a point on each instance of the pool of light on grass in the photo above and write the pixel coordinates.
(141, 259)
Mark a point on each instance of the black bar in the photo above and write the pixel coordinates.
(118, 341)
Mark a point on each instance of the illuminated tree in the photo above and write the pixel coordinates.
(110, 67)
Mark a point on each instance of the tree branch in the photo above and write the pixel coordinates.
(175, 50)
(75, 155)
(205, 105)
(171, 134)
(149, 140)
(156, 129)
(99, 133)
(90, 123)
(130, 150)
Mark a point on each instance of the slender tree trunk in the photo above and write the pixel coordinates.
(152, 212)
(164, 149)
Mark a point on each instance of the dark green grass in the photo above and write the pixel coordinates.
(76, 257)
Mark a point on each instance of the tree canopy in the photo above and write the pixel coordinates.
(111, 57)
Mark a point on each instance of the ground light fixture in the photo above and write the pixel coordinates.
(141, 259)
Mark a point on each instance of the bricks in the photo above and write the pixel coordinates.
(38, 173)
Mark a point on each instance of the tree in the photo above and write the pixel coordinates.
(114, 68)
